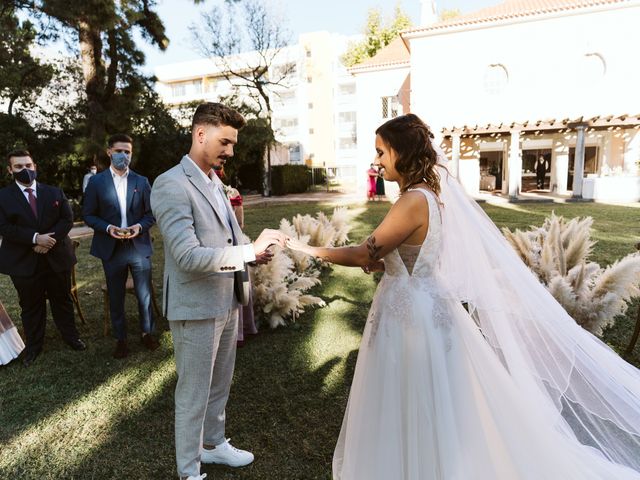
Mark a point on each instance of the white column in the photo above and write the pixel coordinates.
(559, 165)
(578, 165)
(606, 146)
(505, 168)
(515, 165)
(632, 152)
(455, 154)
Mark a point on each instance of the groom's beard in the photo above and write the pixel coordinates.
(220, 166)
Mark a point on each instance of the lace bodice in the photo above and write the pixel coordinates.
(418, 260)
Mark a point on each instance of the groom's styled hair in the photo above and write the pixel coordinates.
(217, 114)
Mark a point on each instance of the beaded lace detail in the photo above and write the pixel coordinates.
(409, 270)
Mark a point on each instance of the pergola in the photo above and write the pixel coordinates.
(579, 125)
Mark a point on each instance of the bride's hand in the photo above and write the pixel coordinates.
(295, 244)
(374, 267)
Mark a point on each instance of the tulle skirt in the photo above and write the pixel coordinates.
(431, 400)
(11, 345)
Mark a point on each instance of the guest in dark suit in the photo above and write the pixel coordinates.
(37, 253)
(117, 207)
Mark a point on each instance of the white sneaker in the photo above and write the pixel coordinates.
(227, 454)
(199, 477)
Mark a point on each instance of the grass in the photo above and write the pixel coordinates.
(84, 415)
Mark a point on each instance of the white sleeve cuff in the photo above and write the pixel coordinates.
(108, 227)
(248, 254)
(33, 240)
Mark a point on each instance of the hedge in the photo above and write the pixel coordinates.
(289, 179)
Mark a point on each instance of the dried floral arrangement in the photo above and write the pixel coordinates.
(279, 288)
(558, 253)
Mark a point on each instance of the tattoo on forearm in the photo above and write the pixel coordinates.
(374, 250)
(326, 259)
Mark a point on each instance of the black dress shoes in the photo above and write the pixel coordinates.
(122, 349)
(29, 358)
(150, 342)
(77, 344)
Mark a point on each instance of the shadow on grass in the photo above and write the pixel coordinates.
(56, 446)
(287, 402)
(60, 376)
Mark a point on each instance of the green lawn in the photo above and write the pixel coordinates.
(85, 415)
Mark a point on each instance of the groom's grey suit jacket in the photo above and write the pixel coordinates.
(200, 251)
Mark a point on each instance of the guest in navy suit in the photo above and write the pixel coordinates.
(37, 253)
(117, 207)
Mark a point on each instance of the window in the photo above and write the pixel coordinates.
(591, 68)
(286, 96)
(310, 106)
(308, 53)
(347, 117)
(178, 90)
(309, 79)
(295, 152)
(496, 79)
(210, 85)
(347, 89)
(196, 87)
(284, 71)
(311, 131)
(590, 161)
(347, 143)
(286, 123)
(390, 107)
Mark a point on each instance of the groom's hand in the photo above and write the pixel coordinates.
(264, 258)
(267, 238)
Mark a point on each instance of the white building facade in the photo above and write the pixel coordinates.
(509, 84)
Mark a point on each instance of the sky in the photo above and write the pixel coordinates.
(338, 16)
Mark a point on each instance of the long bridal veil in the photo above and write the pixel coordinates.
(583, 387)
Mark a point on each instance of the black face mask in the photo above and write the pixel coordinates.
(25, 176)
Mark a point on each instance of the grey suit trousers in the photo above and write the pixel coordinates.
(205, 353)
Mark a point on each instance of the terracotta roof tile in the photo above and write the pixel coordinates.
(394, 53)
(516, 9)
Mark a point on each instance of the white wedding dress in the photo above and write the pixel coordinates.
(433, 398)
(11, 343)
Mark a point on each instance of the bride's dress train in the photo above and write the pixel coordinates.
(433, 397)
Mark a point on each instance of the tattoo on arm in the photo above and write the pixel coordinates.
(326, 259)
(374, 250)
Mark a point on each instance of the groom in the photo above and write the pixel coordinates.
(202, 289)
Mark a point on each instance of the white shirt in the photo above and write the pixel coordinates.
(33, 187)
(120, 182)
(222, 202)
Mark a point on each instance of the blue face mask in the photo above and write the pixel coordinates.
(120, 160)
(25, 176)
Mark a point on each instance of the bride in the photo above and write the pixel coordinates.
(468, 368)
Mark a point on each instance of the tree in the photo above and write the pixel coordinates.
(22, 76)
(109, 57)
(449, 14)
(377, 35)
(227, 35)
(159, 139)
(247, 167)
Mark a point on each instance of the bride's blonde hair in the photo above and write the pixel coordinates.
(410, 138)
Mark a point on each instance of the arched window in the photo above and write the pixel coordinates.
(496, 79)
(592, 67)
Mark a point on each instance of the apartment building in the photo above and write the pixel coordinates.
(314, 107)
